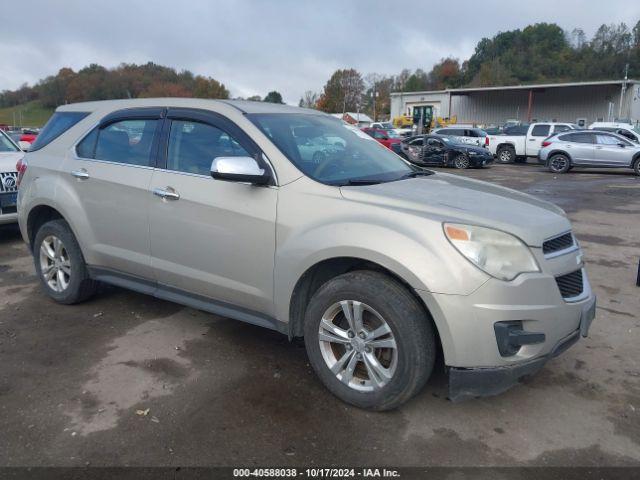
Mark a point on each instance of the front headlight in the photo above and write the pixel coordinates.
(497, 253)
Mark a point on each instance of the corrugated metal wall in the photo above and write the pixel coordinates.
(561, 104)
(564, 104)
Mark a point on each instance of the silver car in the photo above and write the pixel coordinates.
(377, 264)
(589, 148)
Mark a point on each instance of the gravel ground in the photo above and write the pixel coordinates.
(126, 379)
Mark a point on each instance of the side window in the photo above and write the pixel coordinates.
(603, 139)
(561, 128)
(59, 123)
(126, 141)
(626, 134)
(194, 145)
(540, 131)
(432, 142)
(578, 137)
(379, 135)
(417, 142)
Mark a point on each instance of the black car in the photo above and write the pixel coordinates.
(426, 150)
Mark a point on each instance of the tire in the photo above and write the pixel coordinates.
(406, 366)
(461, 162)
(506, 154)
(55, 246)
(636, 166)
(558, 163)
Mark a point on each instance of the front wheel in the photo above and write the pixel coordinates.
(369, 340)
(60, 265)
(559, 163)
(461, 162)
(636, 166)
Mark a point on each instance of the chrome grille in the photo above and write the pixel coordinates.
(8, 182)
(571, 284)
(556, 244)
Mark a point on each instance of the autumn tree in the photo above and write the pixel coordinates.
(342, 92)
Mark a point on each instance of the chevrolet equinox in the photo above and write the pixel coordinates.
(225, 206)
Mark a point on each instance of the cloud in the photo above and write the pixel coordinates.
(254, 46)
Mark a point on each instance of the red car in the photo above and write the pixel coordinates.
(388, 138)
(28, 136)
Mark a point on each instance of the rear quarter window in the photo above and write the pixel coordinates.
(59, 123)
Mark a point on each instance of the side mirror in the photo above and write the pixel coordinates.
(239, 169)
(24, 146)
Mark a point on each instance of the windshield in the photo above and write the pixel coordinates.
(392, 134)
(6, 145)
(330, 151)
(386, 125)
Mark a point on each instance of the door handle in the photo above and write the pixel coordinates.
(598, 148)
(532, 139)
(166, 194)
(81, 174)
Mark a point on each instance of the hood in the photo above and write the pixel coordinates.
(447, 197)
(8, 161)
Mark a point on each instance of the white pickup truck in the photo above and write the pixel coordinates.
(511, 148)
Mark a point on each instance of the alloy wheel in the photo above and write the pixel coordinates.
(357, 345)
(505, 156)
(558, 163)
(461, 161)
(55, 265)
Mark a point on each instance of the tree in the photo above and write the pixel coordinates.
(273, 97)
(342, 92)
(255, 98)
(309, 99)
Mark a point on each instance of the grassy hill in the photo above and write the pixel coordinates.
(33, 114)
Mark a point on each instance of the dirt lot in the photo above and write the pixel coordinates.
(219, 392)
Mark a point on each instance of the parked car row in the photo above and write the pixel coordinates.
(224, 206)
(10, 155)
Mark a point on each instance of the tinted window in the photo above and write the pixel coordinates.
(87, 147)
(127, 141)
(59, 123)
(627, 134)
(540, 131)
(432, 142)
(6, 145)
(577, 138)
(603, 139)
(417, 142)
(516, 130)
(194, 145)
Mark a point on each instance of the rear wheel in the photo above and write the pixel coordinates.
(60, 265)
(506, 154)
(559, 163)
(369, 340)
(636, 166)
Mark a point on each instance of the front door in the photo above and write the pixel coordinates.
(110, 171)
(612, 150)
(212, 238)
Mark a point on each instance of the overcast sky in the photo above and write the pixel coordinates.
(254, 46)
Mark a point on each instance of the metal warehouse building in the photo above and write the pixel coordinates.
(580, 102)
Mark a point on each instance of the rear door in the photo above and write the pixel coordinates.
(538, 133)
(111, 172)
(580, 146)
(613, 150)
(211, 238)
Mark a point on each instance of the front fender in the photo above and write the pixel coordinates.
(413, 248)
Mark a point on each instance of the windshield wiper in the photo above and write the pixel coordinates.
(418, 173)
(361, 181)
